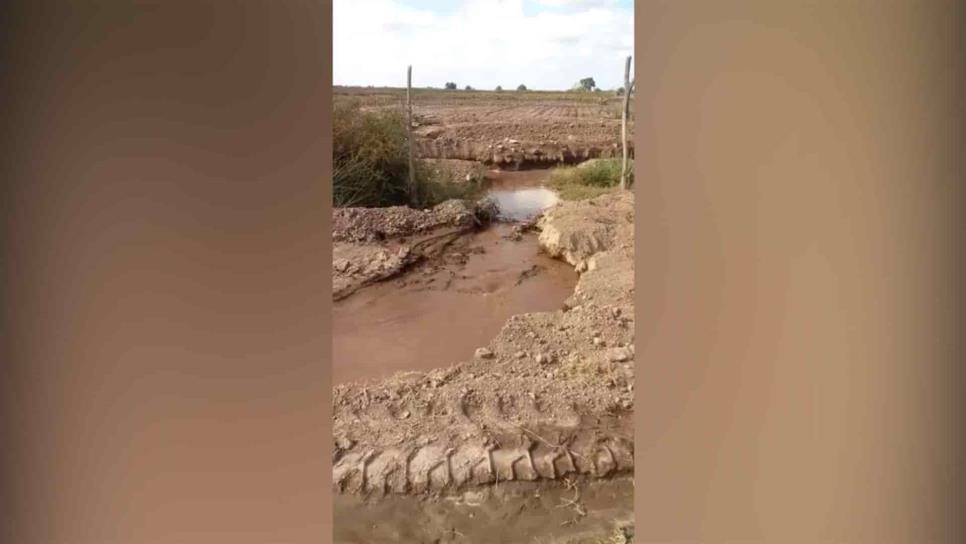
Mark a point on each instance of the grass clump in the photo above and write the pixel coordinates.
(436, 184)
(370, 162)
(588, 180)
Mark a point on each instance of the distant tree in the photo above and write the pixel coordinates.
(588, 84)
(620, 91)
(499, 88)
(450, 85)
(522, 87)
(468, 88)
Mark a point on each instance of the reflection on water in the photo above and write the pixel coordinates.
(520, 194)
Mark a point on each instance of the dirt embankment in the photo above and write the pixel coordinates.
(551, 396)
(373, 244)
(508, 129)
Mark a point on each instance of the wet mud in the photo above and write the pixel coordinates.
(440, 311)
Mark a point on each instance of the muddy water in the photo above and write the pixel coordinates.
(520, 194)
(437, 314)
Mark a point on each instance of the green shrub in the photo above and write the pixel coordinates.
(588, 180)
(371, 164)
(433, 188)
(369, 160)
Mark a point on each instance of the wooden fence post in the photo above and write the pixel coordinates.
(409, 131)
(627, 103)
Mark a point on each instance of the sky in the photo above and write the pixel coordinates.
(543, 44)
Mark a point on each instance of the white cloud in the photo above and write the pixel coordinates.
(483, 43)
(578, 3)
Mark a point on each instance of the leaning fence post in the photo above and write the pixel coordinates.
(627, 103)
(409, 131)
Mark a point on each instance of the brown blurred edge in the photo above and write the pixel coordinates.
(165, 278)
(752, 424)
(799, 246)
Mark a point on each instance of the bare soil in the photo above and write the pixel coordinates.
(374, 244)
(509, 129)
(550, 395)
(545, 402)
(511, 512)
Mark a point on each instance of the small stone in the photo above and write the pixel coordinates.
(343, 443)
(542, 359)
(619, 354)
(597, 341)
(405, 414)
(520, 355)
(483, 353)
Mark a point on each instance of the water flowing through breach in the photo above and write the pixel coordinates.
(437, 313)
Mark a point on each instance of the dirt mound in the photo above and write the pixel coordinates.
(374, 244)
(578, 230)
(376, 224)
(551, 395)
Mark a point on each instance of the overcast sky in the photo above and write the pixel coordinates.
(544, 44)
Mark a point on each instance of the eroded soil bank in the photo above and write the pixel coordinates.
(443, 309)
(547, 401)
(445, 306)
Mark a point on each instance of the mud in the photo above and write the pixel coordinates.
(442, 310)
(569, 512)
(568, 373)
(374, 244)
(548, 399)
(444, 307)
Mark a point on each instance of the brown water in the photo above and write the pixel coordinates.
(520, 194)
(437, 315)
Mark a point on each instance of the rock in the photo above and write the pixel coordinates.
(520, 354)
(343, 443)
(597, 341)
(618, 355)
(483, 353)
(404, 415)
(341, 265)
